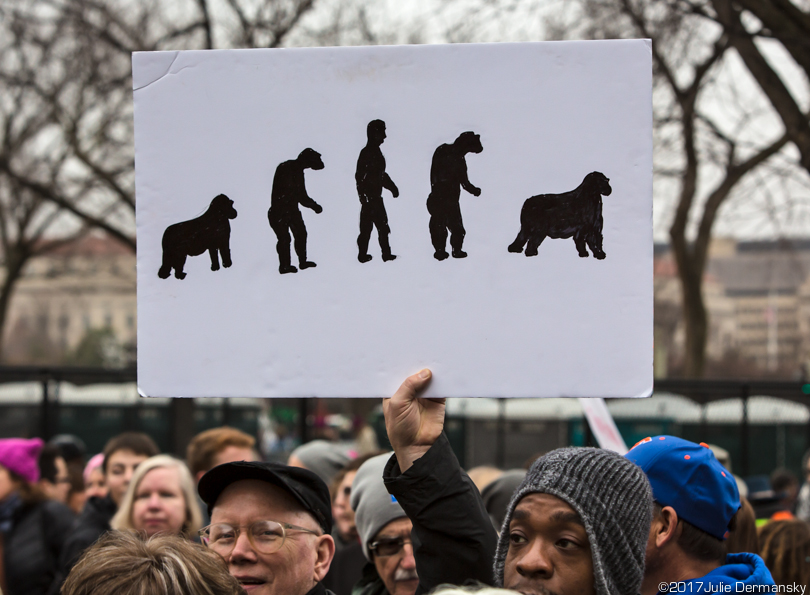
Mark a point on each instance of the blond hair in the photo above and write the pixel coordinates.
(121, 563)
(123, 518)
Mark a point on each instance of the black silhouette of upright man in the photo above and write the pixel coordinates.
(289, 191)
(371, 179)
(448, 174)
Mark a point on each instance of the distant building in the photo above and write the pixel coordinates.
(88, 285)
(757, 295)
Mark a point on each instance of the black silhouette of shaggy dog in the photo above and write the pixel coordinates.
(576, 214)
(210, 231)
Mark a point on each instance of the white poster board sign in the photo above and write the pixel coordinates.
(602, 425)
(512, 182)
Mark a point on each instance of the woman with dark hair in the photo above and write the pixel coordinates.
(33, 529)
(785, 547)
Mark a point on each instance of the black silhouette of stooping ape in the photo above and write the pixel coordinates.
(448, 174)
(576, 214)
(210, 231)
(371, 178)
(288, 192)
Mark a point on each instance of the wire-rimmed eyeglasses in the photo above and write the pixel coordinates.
(266, 537)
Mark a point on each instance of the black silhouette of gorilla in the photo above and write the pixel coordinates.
(576, 214)
(288, 192)
(371, 178)
(448, 174)
(210, 231)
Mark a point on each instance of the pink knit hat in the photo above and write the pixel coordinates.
(21, 456)
(95, 462)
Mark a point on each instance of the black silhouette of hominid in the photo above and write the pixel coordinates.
(289, 190)
(448, 174)
(371, 178)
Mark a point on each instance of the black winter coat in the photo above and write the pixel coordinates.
(453, 538)
(33, 545)
(346, 569)
(370, 583)
(93, 522)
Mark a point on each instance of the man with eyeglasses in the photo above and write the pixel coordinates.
(271, 524)
(385, 534)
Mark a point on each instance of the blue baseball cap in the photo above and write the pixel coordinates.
(688, 477)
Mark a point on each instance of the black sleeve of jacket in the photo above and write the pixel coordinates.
(77, 541)
(59, 523)
(453, 538)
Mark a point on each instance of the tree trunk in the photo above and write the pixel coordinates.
(691, 275)
(695, 318)
(16, 258)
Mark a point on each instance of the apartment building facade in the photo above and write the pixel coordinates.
(757, 295)
(88, 285)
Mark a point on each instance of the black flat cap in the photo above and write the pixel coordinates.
(306, 487)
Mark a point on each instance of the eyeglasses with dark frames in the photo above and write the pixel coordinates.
(266, 537)
(383, 548)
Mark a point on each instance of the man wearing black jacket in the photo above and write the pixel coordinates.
(578, 524)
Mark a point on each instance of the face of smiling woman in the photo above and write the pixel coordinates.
(159, 505)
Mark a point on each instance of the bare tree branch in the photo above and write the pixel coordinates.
(796, 122)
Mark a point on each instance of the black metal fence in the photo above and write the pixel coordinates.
(172, 424)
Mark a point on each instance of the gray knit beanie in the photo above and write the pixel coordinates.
(324, 458)
(373, 506)
(614, 501)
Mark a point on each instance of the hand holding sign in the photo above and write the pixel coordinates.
(413, 424)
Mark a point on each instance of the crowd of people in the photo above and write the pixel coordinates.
(667, 517)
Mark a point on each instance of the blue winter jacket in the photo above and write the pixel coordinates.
(742, 573)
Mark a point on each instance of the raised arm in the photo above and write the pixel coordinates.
(454, 541)
(413, 424)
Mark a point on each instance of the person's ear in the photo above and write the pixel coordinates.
(666, 527)
(325, 550)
